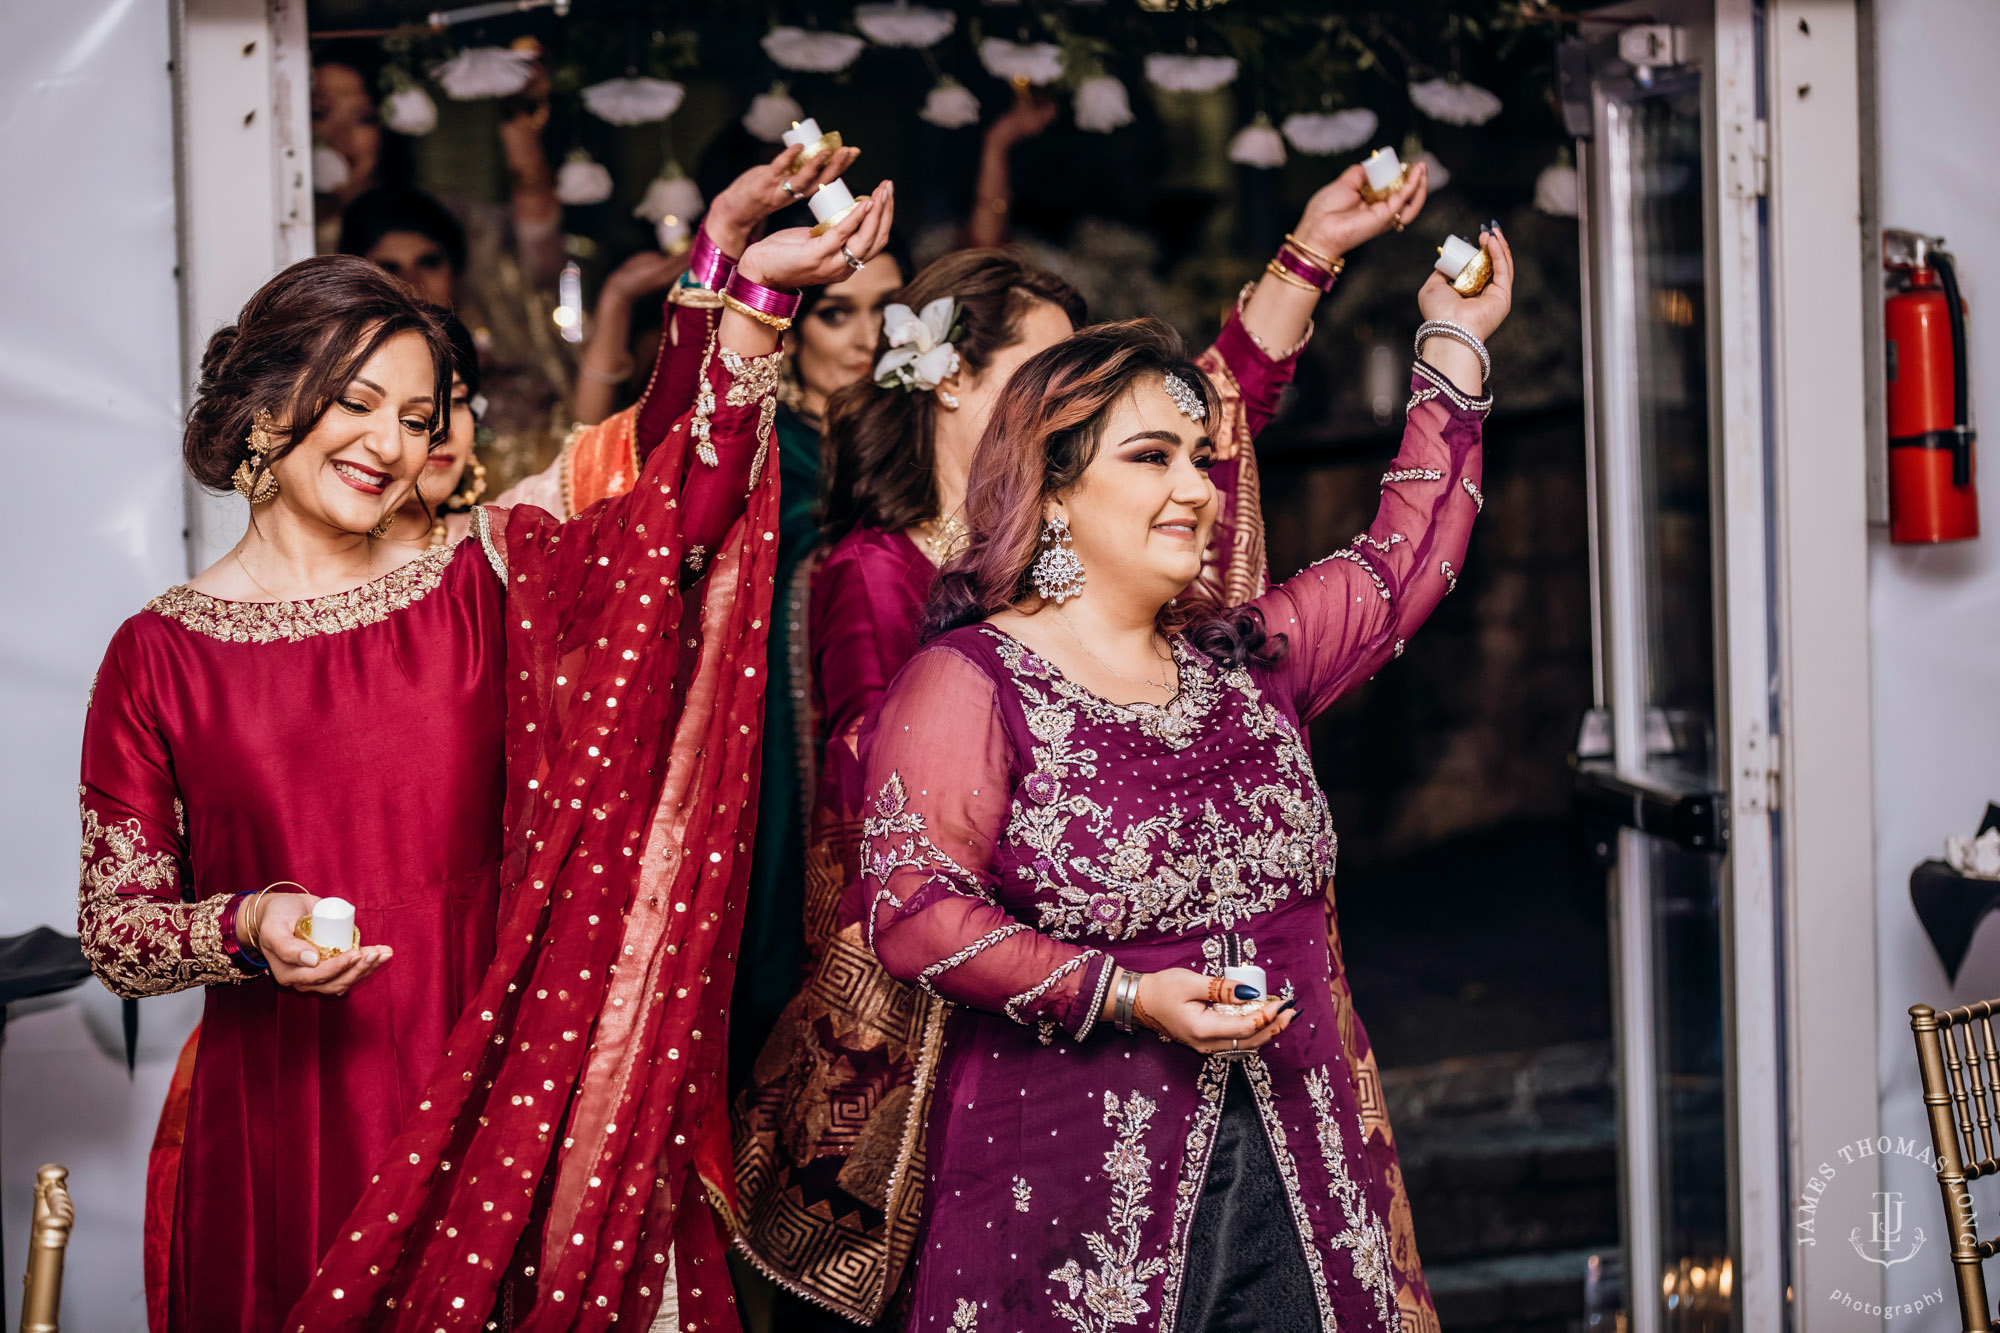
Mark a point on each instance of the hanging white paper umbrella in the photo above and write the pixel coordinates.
(951, 105)
(1038, 63)
(915, 26)
(1190, 74)
(772, 113)
(1454, 101)
(484, 71)
(1102, 105)
(582, 181)
(1258, 144)
(811, 52)
(633, 101)
(1324, 133)
(410, 111)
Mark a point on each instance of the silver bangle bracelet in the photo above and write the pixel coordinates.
(1444, 328)
(1126, 993)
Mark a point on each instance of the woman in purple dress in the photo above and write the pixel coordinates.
(1090, 794)
(829, 1131)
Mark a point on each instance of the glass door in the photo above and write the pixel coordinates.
(1656, 760)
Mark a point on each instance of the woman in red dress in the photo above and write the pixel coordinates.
(524, 759)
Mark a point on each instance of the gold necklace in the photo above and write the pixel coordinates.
(944, 537)
(1166, 661)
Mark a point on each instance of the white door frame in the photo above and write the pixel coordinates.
(1824, 279)
(243, 159)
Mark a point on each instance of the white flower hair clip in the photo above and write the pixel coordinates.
(920, 355)
(1190, 403)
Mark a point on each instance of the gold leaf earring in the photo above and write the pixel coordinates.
(252, 478)
(474, 488)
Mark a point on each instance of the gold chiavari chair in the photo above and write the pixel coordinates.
(48, 1236)
(1960, 1066)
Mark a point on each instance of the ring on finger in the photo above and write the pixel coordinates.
(1235, 1043)
(797, 196)
(856, 264)
(1397, 221)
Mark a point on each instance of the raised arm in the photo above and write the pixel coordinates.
(143, 929)
(1255, 356)
(938, 769)
(1353, 611)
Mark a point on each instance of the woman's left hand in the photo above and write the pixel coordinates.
(760, 192)
(795, 258)
(1337, 218)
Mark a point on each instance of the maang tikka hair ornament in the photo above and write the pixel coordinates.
(1185, 398)
(1057, 572)
(252, 478)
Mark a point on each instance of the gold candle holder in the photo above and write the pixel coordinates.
(304, 931)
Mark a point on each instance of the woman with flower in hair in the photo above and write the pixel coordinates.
(523, 758)
(830, 1130)
(1094, 837)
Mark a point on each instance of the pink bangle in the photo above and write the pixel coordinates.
(710, 266)
(768, 301)
(1305, 270)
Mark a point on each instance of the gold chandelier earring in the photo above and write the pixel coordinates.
(252, 478)
(475, 487)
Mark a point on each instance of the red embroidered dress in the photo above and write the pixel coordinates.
(397, 745)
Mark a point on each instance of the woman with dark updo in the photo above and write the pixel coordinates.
(474, 744)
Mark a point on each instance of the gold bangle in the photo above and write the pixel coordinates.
(257, 899)
(1283, 274)
(778, 322)
(1318, 257)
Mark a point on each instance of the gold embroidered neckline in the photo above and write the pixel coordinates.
(269, 622)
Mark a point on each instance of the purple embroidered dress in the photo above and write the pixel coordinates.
(1025, 833)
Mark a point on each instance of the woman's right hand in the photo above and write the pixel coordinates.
(1175, 1003)
(271, 929)
(795, 258)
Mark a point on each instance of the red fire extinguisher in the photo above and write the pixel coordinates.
(1931, 492)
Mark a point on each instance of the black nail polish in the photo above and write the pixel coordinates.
(1494, 225)
(1247, 993)
(1292, 1003)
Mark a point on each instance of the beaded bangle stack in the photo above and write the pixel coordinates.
(1301, 266)
(1444, 328)
(766, 305)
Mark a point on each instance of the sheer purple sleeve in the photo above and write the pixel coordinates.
(1350, 613)
(938, 768)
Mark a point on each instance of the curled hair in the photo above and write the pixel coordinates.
(292, 351)
(879, 444)
(1043, 436)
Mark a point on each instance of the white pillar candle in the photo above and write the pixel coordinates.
(333, 924)
(1382, 168)
(803, 133)
(1246, 974)
(1454, 255)
(830, 200)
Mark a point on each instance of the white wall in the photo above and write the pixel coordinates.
(1935, 613)
(90, 383)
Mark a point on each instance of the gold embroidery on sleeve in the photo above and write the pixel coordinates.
(137, 944)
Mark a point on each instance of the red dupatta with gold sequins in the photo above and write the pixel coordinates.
(555, 1146)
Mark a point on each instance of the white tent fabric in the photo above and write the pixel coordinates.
(90, 391)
